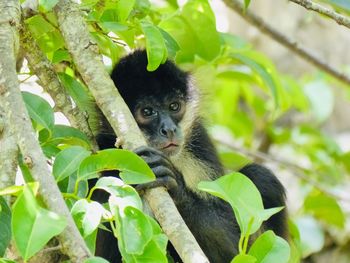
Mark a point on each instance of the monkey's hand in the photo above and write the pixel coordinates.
(166, 173)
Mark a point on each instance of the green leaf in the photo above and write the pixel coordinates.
(68, 161)
(124, 8)
(138, 235)
(261, 71)
(87, 215)
(136, 230)
(269, 248)
(234, 160)
(33, 226)
(5, 226)
(111, 26)
(325, 208)
(312, 238)
(155, 45)
(51, 41)
(124, 195)
(244, 259)
(39, 110)
(106, 45)
(96, 260)
(39, 26)
(133, 169)
(178, 28)
(60, 55)
(80, 94)
(201, 19)
(170, 43)
(63, 132)
(244, 198)
(17, 189)
(47, 5)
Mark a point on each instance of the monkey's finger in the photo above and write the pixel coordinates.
(166, 181)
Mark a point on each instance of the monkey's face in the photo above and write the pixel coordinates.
(159, 120)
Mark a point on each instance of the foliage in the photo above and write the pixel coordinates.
(249, 101)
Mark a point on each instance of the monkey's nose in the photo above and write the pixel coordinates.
(168, 132)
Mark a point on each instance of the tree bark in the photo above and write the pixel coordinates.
(20, 124)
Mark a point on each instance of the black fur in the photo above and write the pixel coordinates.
(210, 219)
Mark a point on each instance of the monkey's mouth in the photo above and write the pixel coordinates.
(170, 145)
(170, 148)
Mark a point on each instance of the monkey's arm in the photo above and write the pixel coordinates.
(210, 219)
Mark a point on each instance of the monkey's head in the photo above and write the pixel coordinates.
(161, 101)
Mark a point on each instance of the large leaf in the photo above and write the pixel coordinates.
(69, 135)
(170, 43)
(262, 71)
(269, 248)
(39, 26)
(39, 110)
(68, 161)
(133, 169)
(200, 17)
(5, 226)
(32, 225)
(80, 94)
(124, 8)
(124, 195)
(87, 215)
(139, 238)
(136, 230)
(244, 198)
(155, 45)
(181, 31)
(325, 208)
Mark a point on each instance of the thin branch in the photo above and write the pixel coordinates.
(89, 64)
(308, 4)
(42, 67)
(20, 124)
(298, 170)
(286, 41)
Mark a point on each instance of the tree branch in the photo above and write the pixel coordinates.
(92, 70)
(20, 124)
(42, 67)
(286, 41)
(308, 4)
(8, 152)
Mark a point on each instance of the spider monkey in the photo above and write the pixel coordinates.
(181, 154)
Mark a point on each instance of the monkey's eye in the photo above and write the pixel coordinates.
(148, 112)
(174, 106)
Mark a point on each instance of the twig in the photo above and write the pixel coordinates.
(20, 124)
(286, 41)
(308, 4)
(299, 171)
(85, 55)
